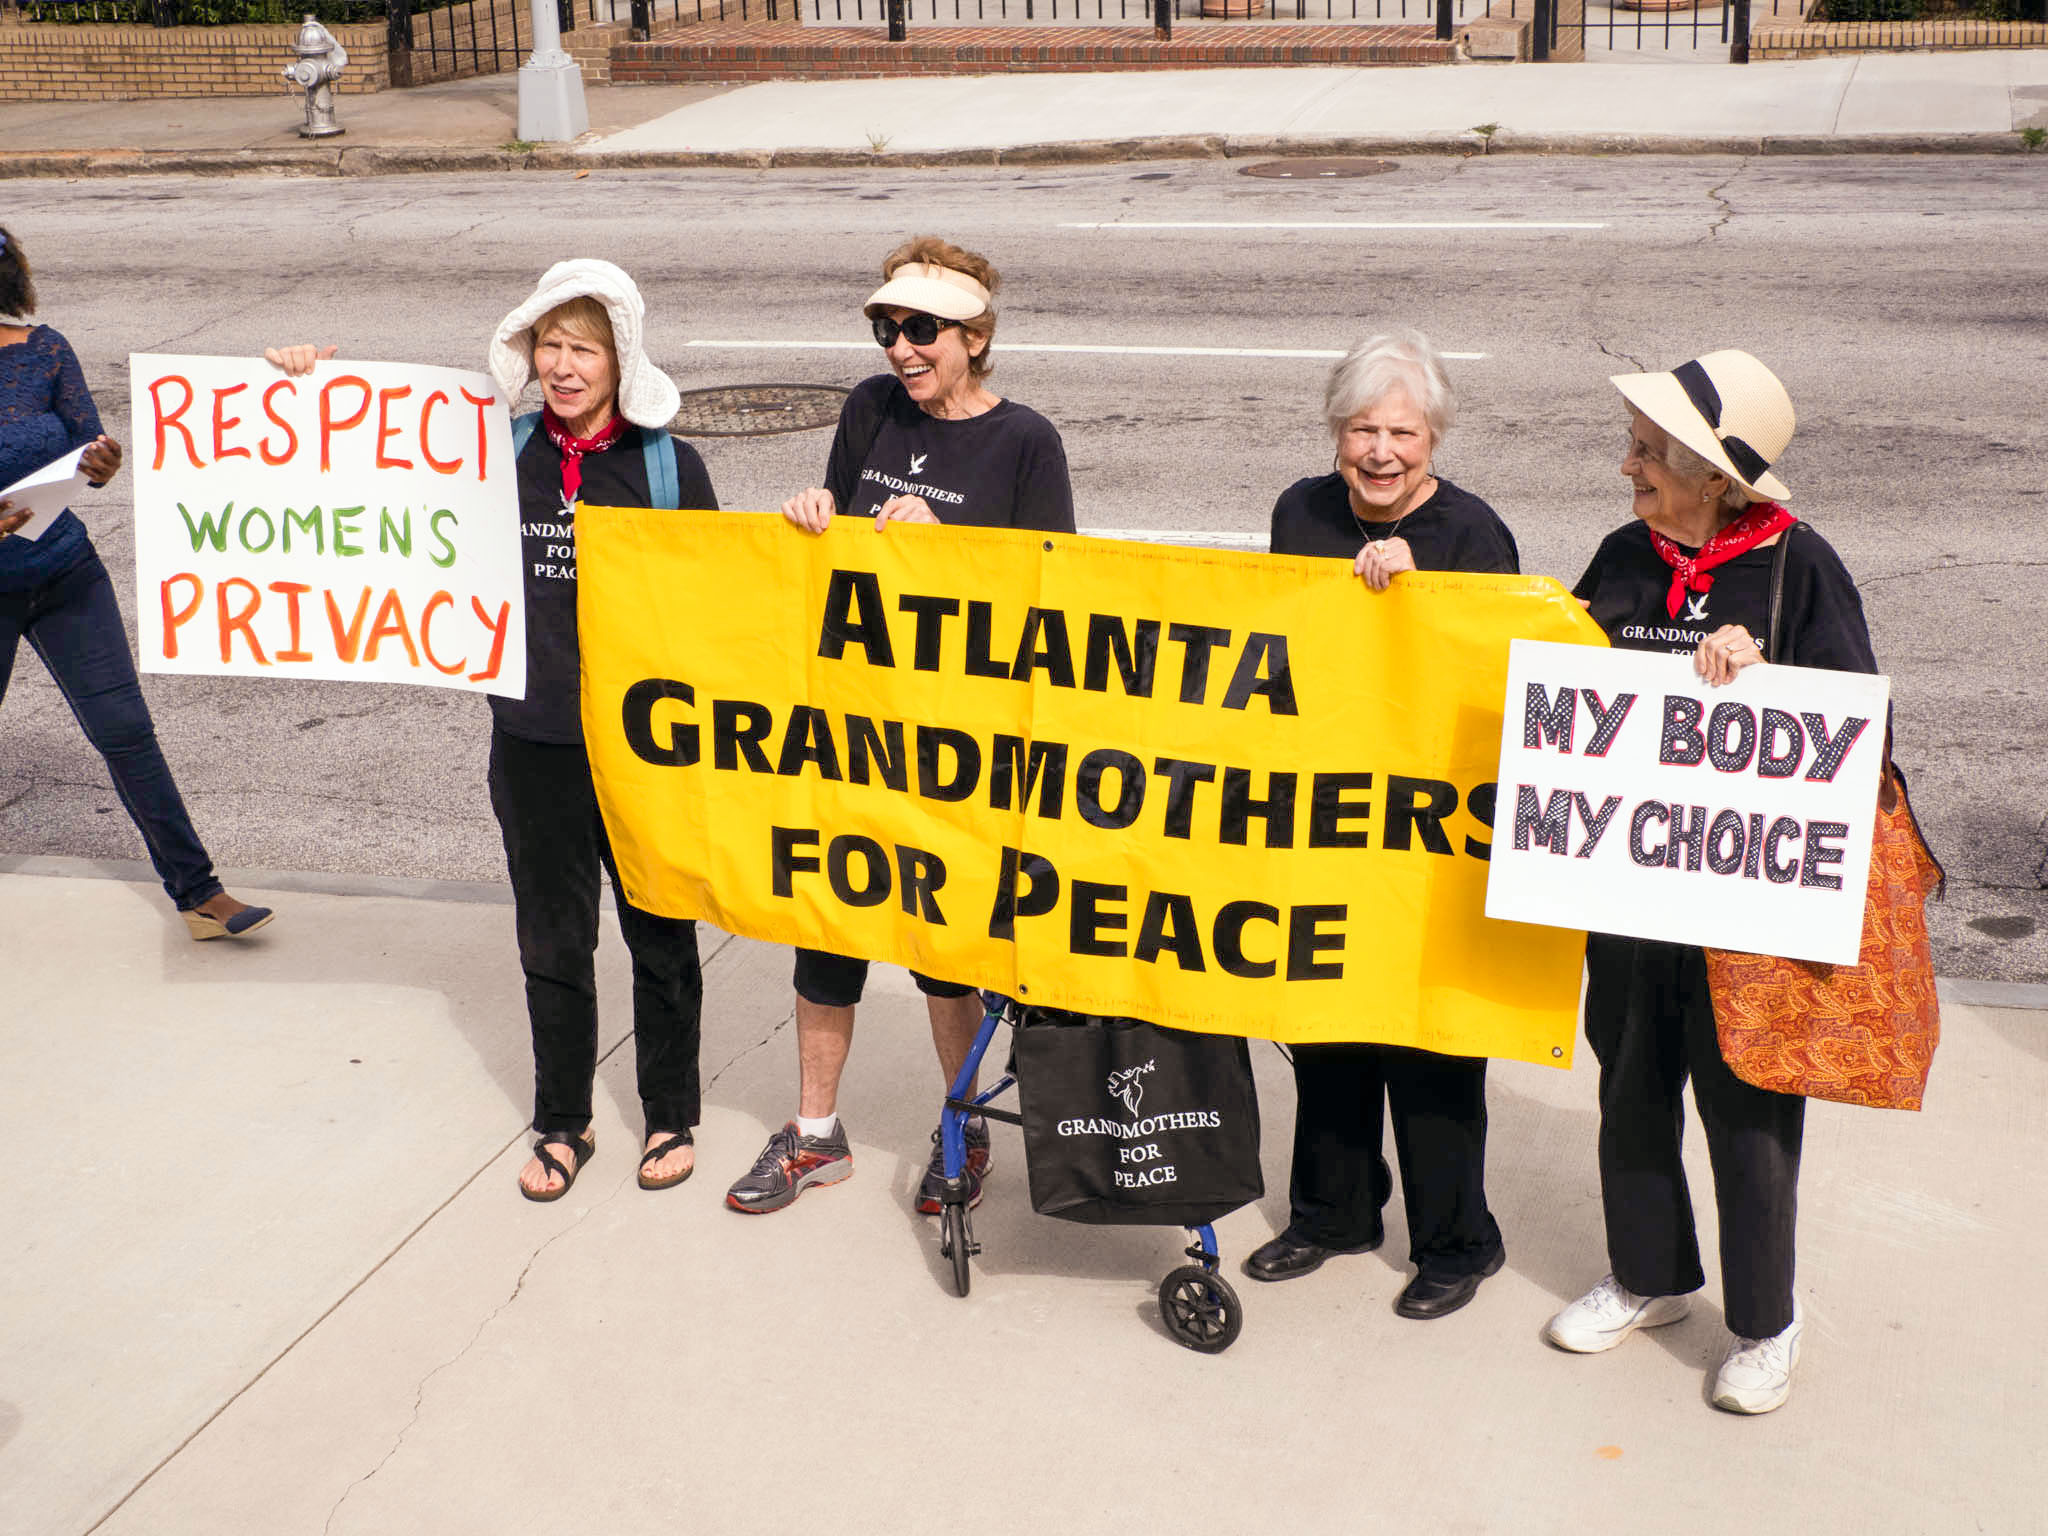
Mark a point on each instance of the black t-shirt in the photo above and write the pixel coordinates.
(1005, 468)
(1820, 624)
(552, 710)
(1452, 531)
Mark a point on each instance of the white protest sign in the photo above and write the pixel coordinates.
(1634, 799)
(359, 522)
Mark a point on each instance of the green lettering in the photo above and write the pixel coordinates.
(308, 522)
(344, 529)
(390, 533)
(207, 530)
(447, 557)
(269, 530)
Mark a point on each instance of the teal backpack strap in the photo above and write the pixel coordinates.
(664, 490)
(522, 432)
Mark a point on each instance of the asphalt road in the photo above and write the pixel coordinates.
(1901, 300)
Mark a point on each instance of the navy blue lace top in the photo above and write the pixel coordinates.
(45, 412)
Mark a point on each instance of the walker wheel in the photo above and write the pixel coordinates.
(954, 1244)
(1200, 1309)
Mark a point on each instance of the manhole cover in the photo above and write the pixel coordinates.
(756, 410)
(1328, 168)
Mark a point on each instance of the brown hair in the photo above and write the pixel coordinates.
(581, 316)
(17, 288)
(943, 253)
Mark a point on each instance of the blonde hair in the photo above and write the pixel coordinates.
(943, 253)
(581, 316)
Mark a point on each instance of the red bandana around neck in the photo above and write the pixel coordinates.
(573, 449)
(1689, 572)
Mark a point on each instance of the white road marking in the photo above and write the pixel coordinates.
(1056, 346)
(1258, 541)
(1387, 225)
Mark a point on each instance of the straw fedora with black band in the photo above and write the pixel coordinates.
(1726, 407)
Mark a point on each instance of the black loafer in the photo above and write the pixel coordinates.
(1437, 1295)
(1290, 1254)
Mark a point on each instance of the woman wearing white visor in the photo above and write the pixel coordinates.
(926, 442)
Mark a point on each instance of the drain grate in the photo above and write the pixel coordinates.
(1326, 168)
(758, 410)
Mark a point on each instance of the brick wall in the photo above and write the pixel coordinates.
(462, 40)
(1810, 38)
(42, 61)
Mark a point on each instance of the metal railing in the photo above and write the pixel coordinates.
(452, 37)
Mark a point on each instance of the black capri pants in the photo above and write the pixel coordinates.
(837, 981)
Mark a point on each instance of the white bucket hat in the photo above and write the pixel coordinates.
(1726, 407)
(647, 396)
(927, 286)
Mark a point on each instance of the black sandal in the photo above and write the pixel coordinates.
(584, 1146)
(658, 1151)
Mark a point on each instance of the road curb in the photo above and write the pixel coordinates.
(411, 160)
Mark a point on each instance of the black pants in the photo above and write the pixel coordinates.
(554, 847)
(1340, 1180)
(1650, 1021)
(75, 626)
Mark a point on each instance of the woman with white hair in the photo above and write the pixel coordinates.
(600, 437)
(1713, 567)
(1388, 404)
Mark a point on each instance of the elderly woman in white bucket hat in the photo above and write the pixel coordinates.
(600, 437)
(1712, 567)
(926, 442)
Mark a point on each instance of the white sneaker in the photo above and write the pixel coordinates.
(1609, 1313)
(1757, 1374)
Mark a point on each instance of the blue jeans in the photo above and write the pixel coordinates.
(75, 626)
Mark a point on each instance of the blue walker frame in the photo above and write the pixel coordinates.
(1197, 1305)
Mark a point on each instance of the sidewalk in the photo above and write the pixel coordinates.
(270, 1274)
(1896, 103)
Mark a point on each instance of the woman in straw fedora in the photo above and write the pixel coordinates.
(601, 438)
(1693, 575)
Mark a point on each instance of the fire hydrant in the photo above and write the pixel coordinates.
(321, 61)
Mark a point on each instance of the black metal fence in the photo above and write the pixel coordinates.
(456, 37)
(200, 13)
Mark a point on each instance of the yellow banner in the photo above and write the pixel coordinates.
(1224, 792)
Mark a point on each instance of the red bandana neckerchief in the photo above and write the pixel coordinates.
(1689, 572)
(573, 449)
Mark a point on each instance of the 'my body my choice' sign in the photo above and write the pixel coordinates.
(360, 522)
(1636, 800)
(1216, 791)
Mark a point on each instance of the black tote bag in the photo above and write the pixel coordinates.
(1129, 1123)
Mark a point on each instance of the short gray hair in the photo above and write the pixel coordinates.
(1684, 462)
(1379, 365)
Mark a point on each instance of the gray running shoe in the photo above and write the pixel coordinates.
(931, 1191)
(790, 1164)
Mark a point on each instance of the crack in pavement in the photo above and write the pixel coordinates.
(420, 1392)
(1727, 208)
(1622, 357)
(740, 1056)
(1949, 565)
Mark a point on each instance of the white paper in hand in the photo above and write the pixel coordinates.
(46, 492)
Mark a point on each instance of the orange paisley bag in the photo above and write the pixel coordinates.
(1858, 1034)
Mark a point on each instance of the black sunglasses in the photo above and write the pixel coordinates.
(922, 329)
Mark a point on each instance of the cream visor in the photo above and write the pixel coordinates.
(936, 290)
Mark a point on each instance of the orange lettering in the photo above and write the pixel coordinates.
(270, 410)
(232, 622)
(346, 640)
(328, 425)
(292, 591)
(222, 423)
(390, 621)
(174, 617)
(497, 629)
(426, 625)
(385, 431)
(165, 423)
(482, 441)
(439, 466)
